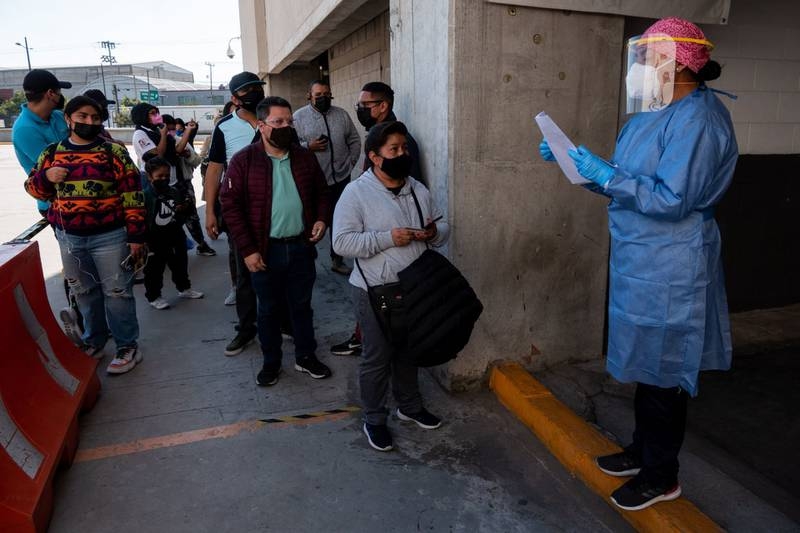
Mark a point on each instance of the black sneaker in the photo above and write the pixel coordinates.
(312, 366)
(268, 377)
(351, 346)
(239, 342)
(206, 250)
(424, 419)
(619, 464)
(378, 437)
(637, 494)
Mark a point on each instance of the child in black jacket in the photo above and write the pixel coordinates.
(167, 208)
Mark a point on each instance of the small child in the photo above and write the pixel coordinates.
(167, 208)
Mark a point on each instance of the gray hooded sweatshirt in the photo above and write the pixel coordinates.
(362, 227)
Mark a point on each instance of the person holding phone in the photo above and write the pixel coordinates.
(99, 222)
(385, 220)
(329, 132)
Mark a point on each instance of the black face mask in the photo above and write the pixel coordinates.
(61, 102)
(282, 138)
(250, 100)
(364, 115)
(322, 103)
(87, 132)
(398, 167)
(161, 186)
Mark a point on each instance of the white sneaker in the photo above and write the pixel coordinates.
(125, 360)
(230, 299)
(190, 294)
(160, 303)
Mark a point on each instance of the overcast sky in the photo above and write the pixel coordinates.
(68, 32)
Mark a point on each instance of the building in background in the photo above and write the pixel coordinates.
(470, 75)
(81, 76)
(157, 82)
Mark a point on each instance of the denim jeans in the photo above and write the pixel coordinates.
(101, 286)
(287, 283)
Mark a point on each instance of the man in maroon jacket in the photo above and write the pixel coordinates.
(276, 205)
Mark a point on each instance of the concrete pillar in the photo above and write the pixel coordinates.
(469, 77)
(292, 83)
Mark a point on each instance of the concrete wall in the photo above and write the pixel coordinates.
(534, 247)
(253, 26)
(421, 73)
(292, 83)
(361, 57)
(760, 53)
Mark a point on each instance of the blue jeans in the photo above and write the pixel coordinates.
(102, 288)
(289, 277)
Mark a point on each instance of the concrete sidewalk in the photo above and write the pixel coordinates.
(739, 460)
(175, 445)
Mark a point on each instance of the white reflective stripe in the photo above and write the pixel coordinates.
(19, 448)
(48, 358)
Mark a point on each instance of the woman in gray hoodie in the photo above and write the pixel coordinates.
(385, 220)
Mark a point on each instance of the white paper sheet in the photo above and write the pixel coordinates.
(559, 144)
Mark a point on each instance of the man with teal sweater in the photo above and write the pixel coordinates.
(41, 121)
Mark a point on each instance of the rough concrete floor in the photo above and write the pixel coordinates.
(482, 471)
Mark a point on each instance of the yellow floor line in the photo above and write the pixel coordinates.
(217, 432)
(576, 444)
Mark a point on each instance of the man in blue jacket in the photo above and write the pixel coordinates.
(41, 123)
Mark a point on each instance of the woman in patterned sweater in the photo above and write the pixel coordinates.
(97, 210)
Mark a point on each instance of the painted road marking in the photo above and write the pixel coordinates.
(216, 432)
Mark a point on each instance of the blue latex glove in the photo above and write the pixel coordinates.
(547, 154)
(591, 167)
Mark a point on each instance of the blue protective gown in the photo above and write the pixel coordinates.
(668, 314)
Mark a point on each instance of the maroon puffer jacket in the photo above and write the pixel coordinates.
(246, 195)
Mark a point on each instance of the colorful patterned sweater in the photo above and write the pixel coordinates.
(102, 191)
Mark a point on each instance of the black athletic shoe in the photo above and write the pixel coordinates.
(424, 419)
(206, 250)
(351, 346)
(239, 342)
(268, 377)
(378, 437)
(619, 464)
(637, 494)
(313, 367)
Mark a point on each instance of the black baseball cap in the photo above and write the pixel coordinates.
(242, 80)
(39, 81)
(98, 96)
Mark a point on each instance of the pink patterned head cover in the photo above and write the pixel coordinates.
(691, 46)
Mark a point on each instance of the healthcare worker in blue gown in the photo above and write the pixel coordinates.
(668, 315)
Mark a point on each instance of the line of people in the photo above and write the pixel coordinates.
(109, 219)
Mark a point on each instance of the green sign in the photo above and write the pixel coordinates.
(148, 96)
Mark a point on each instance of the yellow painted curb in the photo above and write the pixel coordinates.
(575, 443)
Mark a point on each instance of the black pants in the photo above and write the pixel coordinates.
(168, 244)
(192, 221)
(336, 192)
(245, 296)
(660, 428)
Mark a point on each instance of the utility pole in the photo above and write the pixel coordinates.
(210, 80)
(27, 52)
(107, 58)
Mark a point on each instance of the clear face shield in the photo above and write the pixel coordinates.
(650, 81)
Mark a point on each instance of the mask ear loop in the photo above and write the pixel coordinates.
(60, 187)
